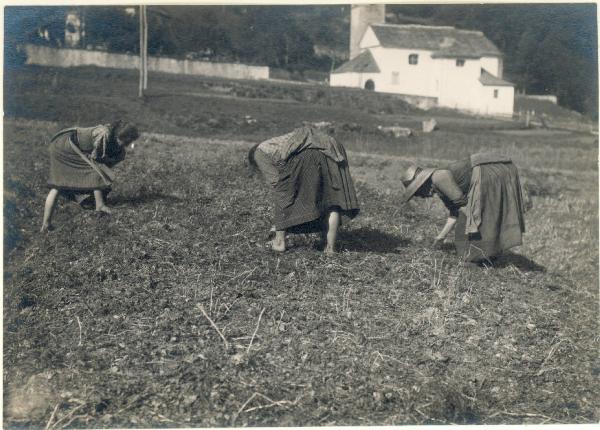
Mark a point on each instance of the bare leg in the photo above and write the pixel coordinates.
(334, 223)
(49, 210)
(100, 206)
(278, 244)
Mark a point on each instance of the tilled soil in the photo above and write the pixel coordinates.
(173, 311)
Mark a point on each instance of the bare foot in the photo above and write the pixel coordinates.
(278, 245)
(329, 250)
(104, 209)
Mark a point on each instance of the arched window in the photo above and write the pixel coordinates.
(413, 59)
(370, 85)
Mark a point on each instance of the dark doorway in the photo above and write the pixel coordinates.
(370, 85)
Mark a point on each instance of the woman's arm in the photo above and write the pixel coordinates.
(452, 197)
(450, 223)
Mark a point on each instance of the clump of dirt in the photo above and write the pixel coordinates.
(30, 400)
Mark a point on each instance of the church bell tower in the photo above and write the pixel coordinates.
(361, 16)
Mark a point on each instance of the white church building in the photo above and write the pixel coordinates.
(457, 69)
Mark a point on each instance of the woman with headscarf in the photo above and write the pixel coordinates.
(307, 171)
(483, 196)
(81, 161)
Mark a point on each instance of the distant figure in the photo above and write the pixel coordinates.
(484, 194)
(307, 172)
(81, 161)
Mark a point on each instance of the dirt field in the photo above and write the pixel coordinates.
(106, 319)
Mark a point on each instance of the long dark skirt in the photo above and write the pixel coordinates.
(69, 172)
(502, 219)
(310, 185)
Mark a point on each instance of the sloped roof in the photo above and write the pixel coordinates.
(488, 79)
(362, 63)
(443, 41)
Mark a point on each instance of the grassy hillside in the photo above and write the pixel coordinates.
(173, 312)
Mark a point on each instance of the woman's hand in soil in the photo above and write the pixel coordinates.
(277, 245)
(278, 242)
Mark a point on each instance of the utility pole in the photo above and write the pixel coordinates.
(143, 51)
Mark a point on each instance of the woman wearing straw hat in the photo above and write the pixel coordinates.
(483, 196)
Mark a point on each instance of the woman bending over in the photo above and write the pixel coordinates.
(312, 190)
(484, 199)
(81, 161)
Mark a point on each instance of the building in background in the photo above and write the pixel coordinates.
(74, 29)
(457, 69)
(361, 16)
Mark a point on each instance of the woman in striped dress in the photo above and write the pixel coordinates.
(81, 161)
(307, 171)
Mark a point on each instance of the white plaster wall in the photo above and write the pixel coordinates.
(45, 56)
(361, 16)
(552, 99)
(413, 79)
(369, 40)
(459, 87)
(353, 80)
(454, 87)
(492, 65)
(503, 105)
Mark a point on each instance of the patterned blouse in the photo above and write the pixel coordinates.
(452, 185)
(281, 148)
(96, 141)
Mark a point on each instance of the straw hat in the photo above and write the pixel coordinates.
(413, 178)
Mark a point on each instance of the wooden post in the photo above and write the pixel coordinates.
(145, 48)
(141, 29)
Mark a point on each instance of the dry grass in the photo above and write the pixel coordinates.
(387, 331)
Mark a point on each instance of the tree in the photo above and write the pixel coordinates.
(111, 28)
(548, 48)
